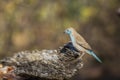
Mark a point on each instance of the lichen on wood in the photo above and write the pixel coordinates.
(58, 64)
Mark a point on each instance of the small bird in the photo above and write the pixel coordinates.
(79, 43)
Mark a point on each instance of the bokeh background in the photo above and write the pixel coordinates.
(39, 24)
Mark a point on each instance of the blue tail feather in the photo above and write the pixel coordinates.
(93, 54)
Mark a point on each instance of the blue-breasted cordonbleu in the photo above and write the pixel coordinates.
(80, 43)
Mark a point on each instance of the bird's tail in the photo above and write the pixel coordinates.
(93, 54)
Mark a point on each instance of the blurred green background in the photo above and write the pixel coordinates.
(39, 24)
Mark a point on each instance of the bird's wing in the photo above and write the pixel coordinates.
(81, 41)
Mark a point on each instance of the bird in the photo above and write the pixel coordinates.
(80, 43)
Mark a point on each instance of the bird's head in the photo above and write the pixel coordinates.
(69, 31)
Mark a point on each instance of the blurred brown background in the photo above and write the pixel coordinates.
(39, 24)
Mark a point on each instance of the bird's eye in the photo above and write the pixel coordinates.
(67, 30)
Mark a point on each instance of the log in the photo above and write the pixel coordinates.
(58, 64)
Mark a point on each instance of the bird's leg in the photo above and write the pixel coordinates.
(82, 55)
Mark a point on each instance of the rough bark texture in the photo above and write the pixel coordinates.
(46, 64)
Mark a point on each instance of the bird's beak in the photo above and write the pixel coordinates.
(65, 32)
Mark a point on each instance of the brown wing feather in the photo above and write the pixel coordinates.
(81, 41)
